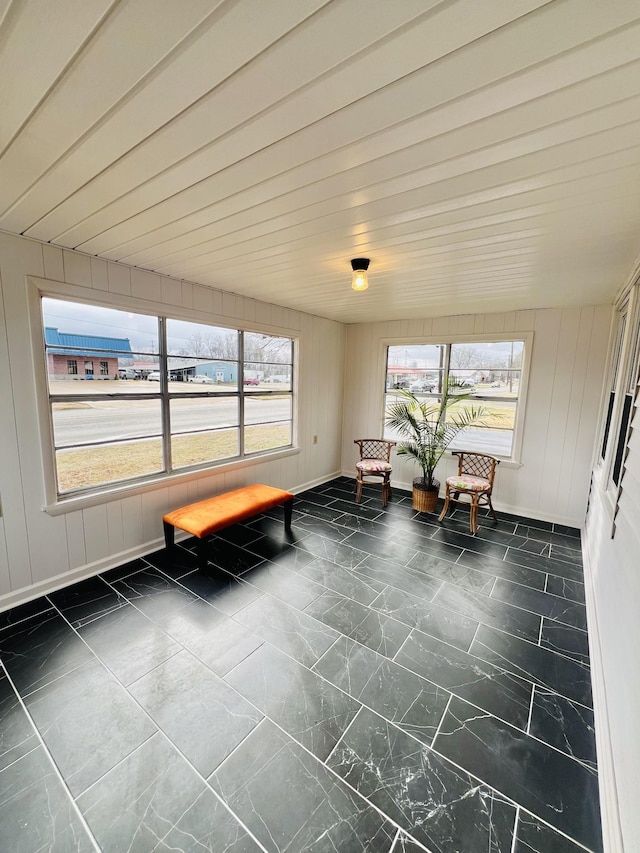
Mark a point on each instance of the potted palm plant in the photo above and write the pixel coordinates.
(426, 429)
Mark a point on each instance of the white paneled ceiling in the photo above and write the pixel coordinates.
(484, 155)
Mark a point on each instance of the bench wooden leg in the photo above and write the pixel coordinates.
(288, 513)
(169, 534)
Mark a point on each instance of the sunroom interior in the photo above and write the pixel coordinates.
(161, 159)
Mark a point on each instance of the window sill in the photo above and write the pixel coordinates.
(115, 493)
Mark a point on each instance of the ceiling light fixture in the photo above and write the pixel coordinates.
(359, 279)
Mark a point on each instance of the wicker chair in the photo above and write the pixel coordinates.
(474, 479)
(375, 454)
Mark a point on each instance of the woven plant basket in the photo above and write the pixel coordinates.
(424, 499)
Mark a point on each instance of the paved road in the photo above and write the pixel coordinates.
(109, 420)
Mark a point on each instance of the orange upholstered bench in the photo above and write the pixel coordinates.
(213, 514)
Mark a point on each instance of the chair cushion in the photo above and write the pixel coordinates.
(379, 465)
(468, 483)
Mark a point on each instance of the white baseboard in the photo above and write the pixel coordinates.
(499, 507)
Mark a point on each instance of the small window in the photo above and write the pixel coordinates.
(88, 368)
(104, 368)
(490, 371)
(72, 367)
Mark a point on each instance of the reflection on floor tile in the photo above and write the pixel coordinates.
(372, 681)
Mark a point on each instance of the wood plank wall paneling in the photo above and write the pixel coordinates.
(36, 547)
(565, 384)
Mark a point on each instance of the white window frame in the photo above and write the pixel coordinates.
(55, 504)
(527, 337)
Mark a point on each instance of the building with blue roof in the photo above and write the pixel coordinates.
(71, 356)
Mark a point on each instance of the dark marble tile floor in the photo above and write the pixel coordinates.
(373, 681)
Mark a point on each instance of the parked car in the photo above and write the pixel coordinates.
(250, 380)
(154, 376)
(202, 379)
(421, 387)
(127, 373)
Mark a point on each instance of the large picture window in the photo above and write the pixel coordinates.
(201, 395)
(491, 371)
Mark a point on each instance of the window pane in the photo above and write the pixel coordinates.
(494, 434)
(89, 342)
(267, 423)
(197, 448)
(196, 375)
(201, 340)
(418, 368)
(267, 436)
(204, 413)
(80, 468)
(267, 409)
(268, 349)
(108, 420)
(491, 369)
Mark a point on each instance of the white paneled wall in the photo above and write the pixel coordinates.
(563, 398)
(39, 551)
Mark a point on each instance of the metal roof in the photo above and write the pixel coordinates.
(64, 343)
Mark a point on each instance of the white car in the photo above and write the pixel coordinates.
(201, 378)
(154, 376)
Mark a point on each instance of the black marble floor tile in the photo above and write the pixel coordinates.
(155, 594)
(329, 530)
(519, 519)
(404, 844)
(541, 666)
(369, 511)
(487, 686)
(337, 552)
(224, 591)
(41, 649)
(398, 695)
(199, 713)
(173, 562)
(244, 534)
(430, 618)
(319, 510)
(357, 523)
(452, 572)
(564, 724)
(544, 564)
(552, 786)
(13, 615)
(485, 609)
(154, 796)
(293, 632)
(86, 600)
(501, 569)
(533, 836)
(88, 723)
(17, 735)
(566, 555)
(230, 557)
(36, 812)
(214, 638)
(323, 816)
(417, 583)
(468, 542)
(443, 550)
(128, 643)
(573, 590)
(273, 548)
(543, 603)
(307, 707)
(441, 806)
(568, 531)
(383, 548)
(369, 627)
(343, 581)
(125, 570)
(289, 586)
(571, 642)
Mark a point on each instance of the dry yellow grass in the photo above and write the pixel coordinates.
(93, 466)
